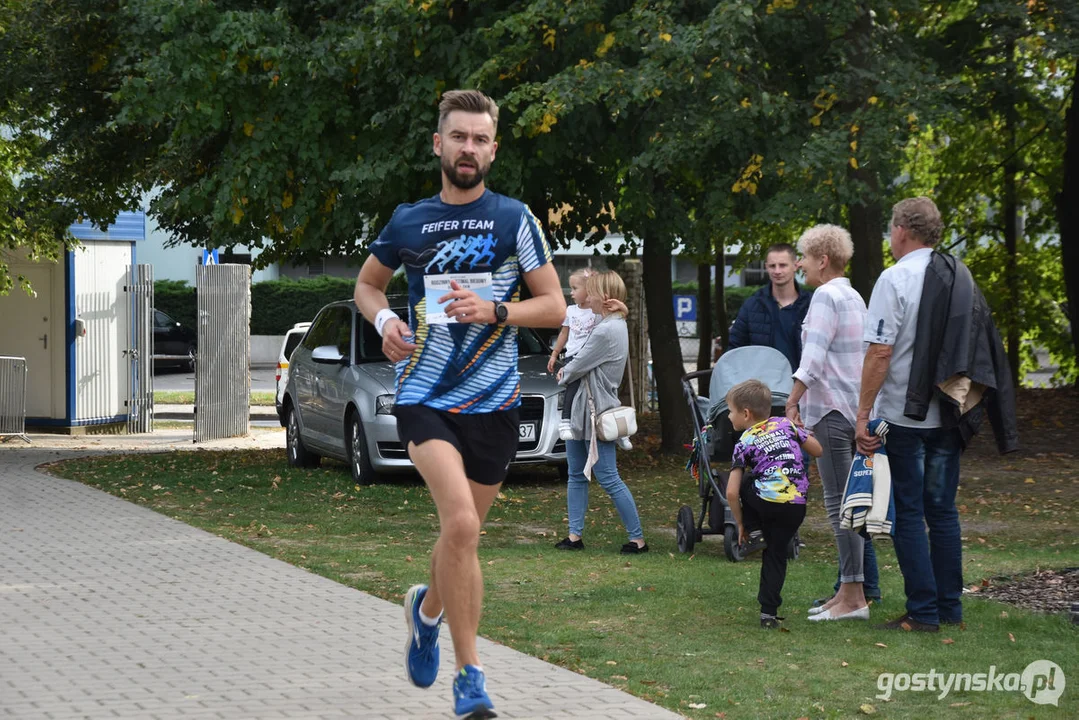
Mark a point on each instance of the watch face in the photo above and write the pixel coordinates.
(501, 312)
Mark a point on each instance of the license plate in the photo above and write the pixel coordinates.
(527, 431)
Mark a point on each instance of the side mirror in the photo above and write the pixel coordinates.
(328, 355)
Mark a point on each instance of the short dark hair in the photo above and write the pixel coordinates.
(752, 395)
(472, 101)
(781, 247)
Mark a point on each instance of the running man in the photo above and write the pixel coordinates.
(456, 361)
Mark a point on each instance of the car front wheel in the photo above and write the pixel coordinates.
(359, 460)
(298, 455)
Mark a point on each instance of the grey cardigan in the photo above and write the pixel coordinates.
(602, 361)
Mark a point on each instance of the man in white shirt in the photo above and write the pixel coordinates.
(924, 456)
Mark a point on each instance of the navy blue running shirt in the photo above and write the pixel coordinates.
(485, 246)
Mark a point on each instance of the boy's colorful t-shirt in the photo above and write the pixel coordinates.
(485, 246)
(771, 454)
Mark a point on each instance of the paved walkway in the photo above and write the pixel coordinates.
(110, 610)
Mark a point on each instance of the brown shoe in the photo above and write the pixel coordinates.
(908, 624)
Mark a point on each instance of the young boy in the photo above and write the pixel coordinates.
(770, 454)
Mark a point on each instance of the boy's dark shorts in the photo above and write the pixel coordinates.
(487, 441)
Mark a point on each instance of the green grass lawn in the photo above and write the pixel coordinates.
(680, 630)
(187, 397)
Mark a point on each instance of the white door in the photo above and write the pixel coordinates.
(28, 333)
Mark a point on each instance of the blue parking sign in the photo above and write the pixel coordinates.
(685, 308)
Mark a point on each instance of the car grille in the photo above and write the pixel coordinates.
(392, 451)
(531, 410)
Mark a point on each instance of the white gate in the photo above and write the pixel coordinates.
(13, 397)
(223, 368)
(139, 286)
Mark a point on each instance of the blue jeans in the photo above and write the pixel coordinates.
(925, 477)
(606, 472)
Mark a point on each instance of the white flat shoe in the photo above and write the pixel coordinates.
(859, 614)
(816, 610)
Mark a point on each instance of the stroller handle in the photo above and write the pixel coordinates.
(697, 374)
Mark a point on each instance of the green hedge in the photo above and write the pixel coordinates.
(276, 305)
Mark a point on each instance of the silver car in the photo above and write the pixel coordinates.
(338, 401)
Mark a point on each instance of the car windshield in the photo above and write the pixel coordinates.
(370, 344)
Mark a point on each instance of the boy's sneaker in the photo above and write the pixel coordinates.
(770, 622)
(421, 650)
(565, 430)
(470, 694)
(623, 443)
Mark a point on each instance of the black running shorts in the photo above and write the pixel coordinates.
(487, 441)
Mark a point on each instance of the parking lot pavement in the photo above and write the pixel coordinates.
(111, 610)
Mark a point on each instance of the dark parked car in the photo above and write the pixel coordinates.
(339, 399)
(174, 344)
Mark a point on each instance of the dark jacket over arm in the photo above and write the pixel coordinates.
(956, 336)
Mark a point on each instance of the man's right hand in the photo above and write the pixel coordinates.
(867, 442)
(397, 340)
(551, 362)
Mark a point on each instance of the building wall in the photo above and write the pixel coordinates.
(179, 263)
(102, 382)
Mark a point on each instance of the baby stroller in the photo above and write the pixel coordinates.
(714, 441)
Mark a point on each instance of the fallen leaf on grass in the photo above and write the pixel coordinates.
(844, 664)
(619, 677)
(648, 682)
(867, 709)
(880, 645)
(698, 706)
(948, 641)
(959, 704)
(1011, 637)
(611, 662)
(408, 558)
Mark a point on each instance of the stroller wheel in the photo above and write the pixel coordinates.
(794, 547)
(686, 529)
(734, 551)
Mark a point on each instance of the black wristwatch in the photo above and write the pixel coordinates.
(502, 312)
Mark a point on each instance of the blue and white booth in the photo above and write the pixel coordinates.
(75, 329)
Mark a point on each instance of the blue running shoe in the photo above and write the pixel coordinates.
(421, 650)
(470, 700)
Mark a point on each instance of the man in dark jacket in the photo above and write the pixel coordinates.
(773, 315)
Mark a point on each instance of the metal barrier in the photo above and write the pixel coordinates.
(140, 404)
(223, 370)
(13, 397)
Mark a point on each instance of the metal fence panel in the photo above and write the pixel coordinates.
(222, 370)
(13, 397)
(139, 286)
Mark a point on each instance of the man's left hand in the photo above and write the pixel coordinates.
(467, 306)
(867, 443)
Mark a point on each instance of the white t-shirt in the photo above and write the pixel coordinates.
(580, 322)
(893, 320)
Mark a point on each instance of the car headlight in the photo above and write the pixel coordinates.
(384, 405)
(561, 399)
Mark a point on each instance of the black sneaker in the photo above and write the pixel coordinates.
(770, 622)
(631, 548)
(567, 544)
(909, 624)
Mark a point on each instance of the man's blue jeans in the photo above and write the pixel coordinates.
(925, 476)
(606, 472)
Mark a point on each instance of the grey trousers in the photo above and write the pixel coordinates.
(836, 436)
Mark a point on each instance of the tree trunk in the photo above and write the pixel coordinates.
(1068, 212)
(722, 323)
(866, 232)
(704, 323)
(676, 425)
(1011, 224)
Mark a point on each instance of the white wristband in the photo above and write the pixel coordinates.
(383, 317)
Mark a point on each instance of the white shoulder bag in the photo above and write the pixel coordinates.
(618, 422)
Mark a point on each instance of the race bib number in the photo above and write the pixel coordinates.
(435, 286)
